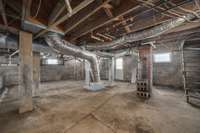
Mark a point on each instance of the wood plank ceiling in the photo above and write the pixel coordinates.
(89, 20)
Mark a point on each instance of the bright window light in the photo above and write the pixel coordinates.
(164, 57)
(52, 61)
(119, 63)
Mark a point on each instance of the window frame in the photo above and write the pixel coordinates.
(121, 64)
(51, 61)
(168, 60)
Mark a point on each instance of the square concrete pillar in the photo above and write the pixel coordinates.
(25, 72)
(36, 73)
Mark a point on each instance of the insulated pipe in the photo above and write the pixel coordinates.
(149, 33)
(111, 55)
(64, 47)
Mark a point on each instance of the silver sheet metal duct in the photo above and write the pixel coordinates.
(149, 33)
(115, 55)
(66, 48)
(11, 42)
(111, 55)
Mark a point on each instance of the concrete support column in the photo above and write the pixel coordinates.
(25, 72)
(36, 73)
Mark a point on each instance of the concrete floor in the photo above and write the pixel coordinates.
(65, 107)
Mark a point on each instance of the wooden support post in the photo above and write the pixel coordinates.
(36, 73)
(25, 72)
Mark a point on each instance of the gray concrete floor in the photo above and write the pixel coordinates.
(65, 107)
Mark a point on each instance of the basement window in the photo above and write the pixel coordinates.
(52, 61)
(119, 63)
(162, 58)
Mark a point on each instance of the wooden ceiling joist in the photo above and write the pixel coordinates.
(65, 17)
(59, 8)
(97, 38)
(151, 4)
(141, 23)
(69, 8)
(36, 23)
(9, 29)
(82, 16)
(26, 9)
(3, 13)
(104, 36)
(14, 5)
(126, 27)
(126, 7)
(107, 8)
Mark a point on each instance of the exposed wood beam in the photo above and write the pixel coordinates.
(124, 8)
(113, 37)
(97, 38)
(14, 5)
(69, 8)
(82, 16)
(10, 29)
(26, 9)
(107, 8)
(3, 13)
(146, 23)
(104, 36)
(126, 27)
(59, 8)
(37, 23)
(65, 17)
(140, 24)
(161, 8)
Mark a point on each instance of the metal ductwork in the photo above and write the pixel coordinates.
(66, 48)
(149, 33)
(11, 42)
(115, 55)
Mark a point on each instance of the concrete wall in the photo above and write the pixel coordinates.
(104, 68)
(10, 74)
(130, 66)
(71, 70)
(168, 74)
(163, 73)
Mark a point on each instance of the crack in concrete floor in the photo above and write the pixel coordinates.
(114, 110)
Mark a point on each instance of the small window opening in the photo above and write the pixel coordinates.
(119, 63)
(163, 57)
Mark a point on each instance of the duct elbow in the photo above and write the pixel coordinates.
(64, 47)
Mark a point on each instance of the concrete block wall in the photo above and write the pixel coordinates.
(129, 65)
(168, 74)
(104, 68)
(163, 73)
(71, 70)
(10, 74)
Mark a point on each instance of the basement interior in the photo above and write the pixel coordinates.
(100, 66)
